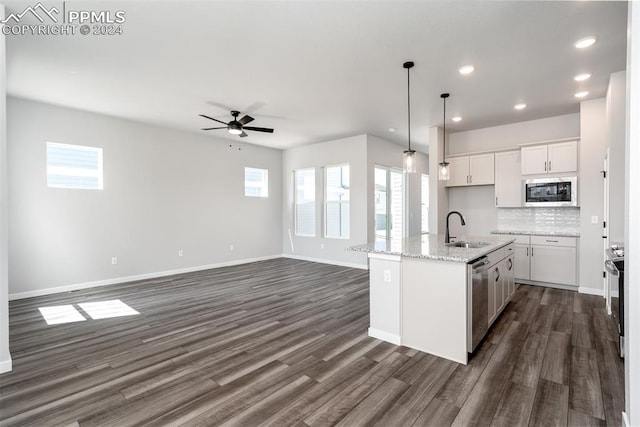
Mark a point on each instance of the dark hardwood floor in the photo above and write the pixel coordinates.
(284, 342)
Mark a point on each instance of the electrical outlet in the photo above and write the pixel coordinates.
(594, 219)
(180, 252)
(387, 276)
(114, 260)
(231, 248)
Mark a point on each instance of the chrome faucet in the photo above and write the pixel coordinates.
(447, 238)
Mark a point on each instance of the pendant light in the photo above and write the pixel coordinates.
(409, 154)
(443, 170)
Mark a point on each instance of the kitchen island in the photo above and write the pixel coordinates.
(427, 295)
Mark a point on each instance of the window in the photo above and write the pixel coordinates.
(305, 202)
(256, 182)
(389, 203)
(337, 201)
(425, 204)
(74, 166)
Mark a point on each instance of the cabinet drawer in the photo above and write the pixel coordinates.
(553, 241)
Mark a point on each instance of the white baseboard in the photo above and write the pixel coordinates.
(625, 420)
(116, 280)
(5, 366)
(384, 336)
(327, 261)
(591, 291)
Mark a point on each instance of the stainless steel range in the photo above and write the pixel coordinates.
(615, 266)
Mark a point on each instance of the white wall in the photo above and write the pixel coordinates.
(348, 150)
(593, 146)
(632, 226)
(164, 190)
(509, 136)
(616, 104)
(477, 205)
(438, 194)
(5, 356)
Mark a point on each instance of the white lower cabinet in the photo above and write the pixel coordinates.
(546, 259)
(501, 285)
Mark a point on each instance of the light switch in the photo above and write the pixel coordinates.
(594, 219)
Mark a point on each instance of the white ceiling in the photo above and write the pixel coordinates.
(319, 70)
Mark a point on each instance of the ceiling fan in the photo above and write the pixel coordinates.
(235, 126)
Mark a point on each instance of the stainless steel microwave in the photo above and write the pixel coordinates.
(550, 192)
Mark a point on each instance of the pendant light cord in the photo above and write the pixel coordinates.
(444, 97)
(409, 104)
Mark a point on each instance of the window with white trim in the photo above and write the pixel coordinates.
(256, 182)
(424, 214)
(336, 205)
(74, 166)
(305, 202)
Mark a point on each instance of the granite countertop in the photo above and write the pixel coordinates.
(432, 246)
(558, 233)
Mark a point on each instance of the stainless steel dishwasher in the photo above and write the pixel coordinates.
(479, 303)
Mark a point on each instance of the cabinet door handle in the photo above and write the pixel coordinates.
(531, 250)
(545, 165)
(497, 274)
(527, 250)
(549, 165)
(496, 201)
(553, 241)
(470, 179)
(510, 265)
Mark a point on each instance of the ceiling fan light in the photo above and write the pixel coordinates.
(235, 131)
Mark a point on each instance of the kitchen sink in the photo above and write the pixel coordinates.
(469, 245)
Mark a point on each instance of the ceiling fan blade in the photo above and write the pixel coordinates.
(221, 127)
(258, 129)
(243, 134)
(211, 118)
(246, 119)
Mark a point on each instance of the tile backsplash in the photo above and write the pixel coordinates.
(539, 219)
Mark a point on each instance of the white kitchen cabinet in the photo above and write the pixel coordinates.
(521, 261)
(550, 158)
(553, 260)
(471, 170)
(563, 157)
(458, 171)
(545, 259)
(534, 160)
(508, 181)
(501, 284)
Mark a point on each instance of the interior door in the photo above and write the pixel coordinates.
(607, 280)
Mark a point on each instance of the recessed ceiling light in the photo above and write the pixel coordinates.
(582, 77)
(456, 119)
(581, 94)
(520, 106)
(585, 42)
(466, 69)
(392, 129)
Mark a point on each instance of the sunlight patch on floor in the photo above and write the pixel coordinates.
(58, 314)
(107, 309)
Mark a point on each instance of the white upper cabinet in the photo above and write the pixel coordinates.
(563, 157)
(508, 188)
(471, 170)
(551, 158)
(481, 169)
(458, 171)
